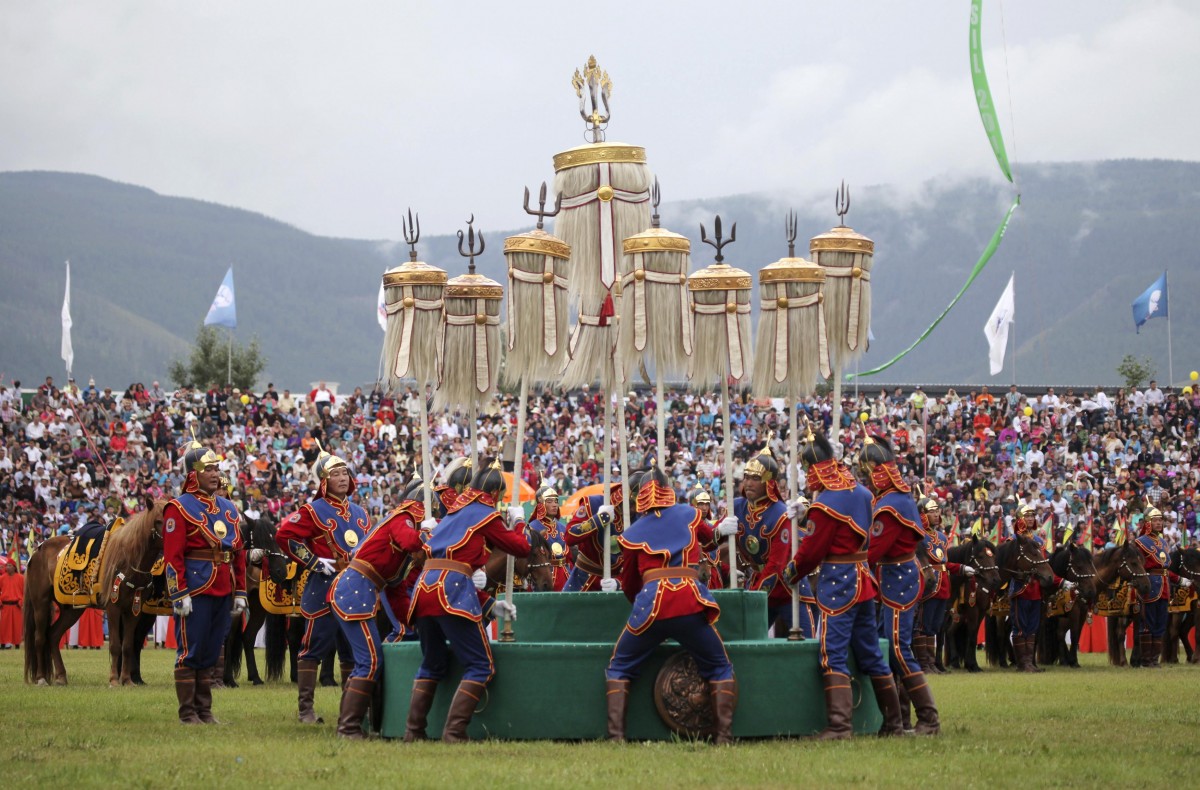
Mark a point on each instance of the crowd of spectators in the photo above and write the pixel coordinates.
(1089, 462)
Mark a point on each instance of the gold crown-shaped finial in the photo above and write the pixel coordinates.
(496, 464)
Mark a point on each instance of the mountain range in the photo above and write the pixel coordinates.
(1087, 239)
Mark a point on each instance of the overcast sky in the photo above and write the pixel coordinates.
(336, 116)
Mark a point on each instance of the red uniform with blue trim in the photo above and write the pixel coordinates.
(661, 551)
(204, 558)
(586, 533)
(936, 598)
(554, 532)
(376, 574)
(837, 543)
(896, 532)
(327, 528)
(1156, 604)
(446, 607)
(763, 540)
(1026, 598)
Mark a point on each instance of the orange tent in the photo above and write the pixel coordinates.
(527, 493)
(569, 507)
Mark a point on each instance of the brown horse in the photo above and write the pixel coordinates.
(1184, 563)
(970, 599)
(1021, 561)
(534, 573)
(1074, 563)
(1120, 564)
(142, 534)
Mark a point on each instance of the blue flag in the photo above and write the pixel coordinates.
(1152, 303)
(223, 311)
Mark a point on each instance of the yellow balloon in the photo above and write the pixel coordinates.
(379, 423)
(1195, 375)
(1187, 390)
(245, 399)
(864, 416)
(1028, 411)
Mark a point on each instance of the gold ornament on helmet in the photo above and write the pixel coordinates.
(763, 466)
(196, 456)
(327, 462)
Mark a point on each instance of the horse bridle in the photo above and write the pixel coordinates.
(976, 554)
(1026, 575)
(1071, 567)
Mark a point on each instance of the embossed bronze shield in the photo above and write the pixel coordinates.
(682, 697)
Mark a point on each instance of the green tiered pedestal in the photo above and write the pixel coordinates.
(549, 684)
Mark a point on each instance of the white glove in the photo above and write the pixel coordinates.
(479, 579)
(515, 516)
(608, 585)
(256, 556)
(239, 606)
(607, 513)
(505, 610)
(968, 570)
(183, 607)
(797, 510)
(1068, 585)
(1185, 583)
(325, 567)
(727, 526)
(428, 524)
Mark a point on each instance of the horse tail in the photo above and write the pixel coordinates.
(233, 648)
(276, 645)
(991, 641)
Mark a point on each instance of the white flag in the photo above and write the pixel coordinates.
(381, 309)
(68, 353)
(996, 328)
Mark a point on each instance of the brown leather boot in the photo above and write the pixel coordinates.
(462, 708)
(306, 685)
(1021, 649)
(618, 698)
(1151, 650)
(356, 698)
(216, 675)
(905, 708)
(917, 688)
(889, 705)
(839, 708)
(203, 698)
(1031, 652)
(185, 691)
(724, 695)
(418, 709)
(345, 667)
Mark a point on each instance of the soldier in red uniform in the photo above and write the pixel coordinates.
(321, 537)
(936, 598)
(659, 578)
(379, 572)
(545, 520)
(585, 532)
(1155, 606)
(1025, 595)
(896, 533)
(453, 480)
(839, 521)
(206, 578)
(448, 605)
(701, 500)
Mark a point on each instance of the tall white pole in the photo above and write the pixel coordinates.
(229, 372)
(606, 459)
(793, 478)
(662, 421)
(506, 635)
(729, 476)
(426, 451)
(837, 399)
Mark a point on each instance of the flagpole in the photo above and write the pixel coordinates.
(1012, 327)
(1170, 359)
(229, 373)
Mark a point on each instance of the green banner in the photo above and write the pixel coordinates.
(983, 260)
(983, 94)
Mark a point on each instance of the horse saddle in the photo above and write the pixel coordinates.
(282, 598)
(75, 573)
(1120, 600)
(1181, 600)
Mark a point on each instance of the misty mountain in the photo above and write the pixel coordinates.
(1087, 239)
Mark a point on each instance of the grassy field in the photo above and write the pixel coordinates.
(1095, 726)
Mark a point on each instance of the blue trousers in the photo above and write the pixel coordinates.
(1155, 615)
(854, 629)
(933, 614)
(467, 640)
(692, 631)
(321, 637)
(1026, 616)
(781, 616)
(897, 628)
(363, 638)
(201, 635)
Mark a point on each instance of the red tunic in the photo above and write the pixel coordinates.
(227, 578)
(303, 529)
(676, 597)
(832, 536)
(388, 547)
(12, 598)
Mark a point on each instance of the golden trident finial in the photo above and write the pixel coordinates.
(597, 82)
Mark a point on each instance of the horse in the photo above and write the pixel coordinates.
(1020, 561)
(258, 535)
(533, 573)
(135, 546)
(1074, 563)
(1115, 565)
(1184, 563)
(971, 597)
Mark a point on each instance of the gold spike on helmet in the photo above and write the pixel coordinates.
(547, 492)
(1152, 513)
(763, 465)
(197, 456)
(699, 496)
(327, 462)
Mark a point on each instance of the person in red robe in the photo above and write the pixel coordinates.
(12, 599)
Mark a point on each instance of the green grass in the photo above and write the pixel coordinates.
(1095, 726)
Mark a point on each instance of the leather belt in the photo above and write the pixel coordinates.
(899, 560)
(858, 556)
(670, 573)
(366, 569)
(210, 555)
(938, 566)
(586, 565)
(448, 565)
(1157, 571)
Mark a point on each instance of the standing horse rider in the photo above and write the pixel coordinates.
(764, 533)
(1026, 596)
(206, 578)
(379, 569)
(545, 520)
(1155, 615)
(936, 598)
(449, 604)
(896, 533)
(661, 550)
(321, 537)
(839, 526)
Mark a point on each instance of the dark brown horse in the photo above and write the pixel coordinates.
(1021, 561)
(1113, 566)
(258, 536)
(533, 573)
(1186, 564)
(137, 541)
(1074, 563)
(970, 599)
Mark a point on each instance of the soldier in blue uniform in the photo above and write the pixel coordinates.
(661, 550)
(321, 537)
(448, 605)
(1155, 605)
(206, 578)
(935, 600)
(1025, 595)
(839, 535)
(896, 533)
